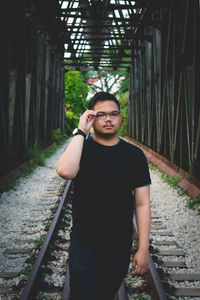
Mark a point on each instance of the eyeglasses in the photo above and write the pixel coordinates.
(103, 115)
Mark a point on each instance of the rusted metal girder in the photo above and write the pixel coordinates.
(164, 102)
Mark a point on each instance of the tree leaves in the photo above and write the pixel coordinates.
(76, 92)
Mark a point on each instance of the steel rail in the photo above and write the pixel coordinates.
(66, 292)
(30, 288)
(158, 289)
(122, 294)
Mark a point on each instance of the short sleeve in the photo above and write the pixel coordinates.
(142, 175)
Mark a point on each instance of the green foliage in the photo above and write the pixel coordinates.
(59, 137)
(63, 264)
(40, 240)
(44, 298)
(140, 297)
(124, 85)
(173, 181)
(76, 92)
(86, 75)
(57, 134)
(28, 170)
(7, 187)
(123, 99)
(55, 206)
(36, 158)
(25, 274)
(64, 209)
(48, 225)
(70, 124)
(35, 155)
(51, 151)
(44, 275)
(30, 261)
(194, 203)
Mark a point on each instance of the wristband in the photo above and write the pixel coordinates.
(79, 131)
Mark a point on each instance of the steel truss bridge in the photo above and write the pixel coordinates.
(156, 41)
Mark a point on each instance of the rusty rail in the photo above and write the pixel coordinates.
(30, 288)
(158, 289)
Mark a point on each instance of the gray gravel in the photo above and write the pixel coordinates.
(24, 209)
(183, 222)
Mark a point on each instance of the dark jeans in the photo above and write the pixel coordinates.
(96, 274)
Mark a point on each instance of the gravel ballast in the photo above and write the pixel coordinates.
(183, 222)
(24, 210)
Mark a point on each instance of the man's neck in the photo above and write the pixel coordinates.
(107, 140)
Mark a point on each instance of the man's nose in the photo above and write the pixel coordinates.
(108, 117)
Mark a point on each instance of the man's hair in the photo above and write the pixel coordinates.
(102, 96)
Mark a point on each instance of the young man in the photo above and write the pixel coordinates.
(106, 171)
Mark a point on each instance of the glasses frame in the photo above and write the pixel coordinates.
(103, 115)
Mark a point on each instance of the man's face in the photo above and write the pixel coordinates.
(108, 118)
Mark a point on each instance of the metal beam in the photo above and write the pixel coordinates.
(102, 56)
(102, 26)
(94, 39)
(106, 49)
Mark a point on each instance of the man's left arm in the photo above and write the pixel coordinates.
(143, 216)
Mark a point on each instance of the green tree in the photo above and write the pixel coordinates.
(124, 85)
(76, 92)
(123, 100)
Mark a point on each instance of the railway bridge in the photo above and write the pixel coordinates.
(156, 41)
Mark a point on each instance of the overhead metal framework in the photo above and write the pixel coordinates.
(100, 34)
(157, 40)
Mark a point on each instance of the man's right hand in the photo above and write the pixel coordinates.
(86, 120)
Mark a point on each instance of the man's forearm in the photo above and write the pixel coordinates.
(143, 216)
(68, 164)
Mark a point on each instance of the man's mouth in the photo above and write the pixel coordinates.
(108, 126)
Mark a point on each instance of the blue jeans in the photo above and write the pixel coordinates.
(96, 274)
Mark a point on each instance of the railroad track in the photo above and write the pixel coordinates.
(21, 238)
(168, 276)
(159, 283)
(36, 287)
(169, 260)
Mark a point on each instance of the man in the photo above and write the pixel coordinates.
(106, 171)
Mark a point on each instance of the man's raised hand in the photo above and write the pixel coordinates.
(86, 120)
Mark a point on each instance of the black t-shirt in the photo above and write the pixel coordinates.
(103, 200)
